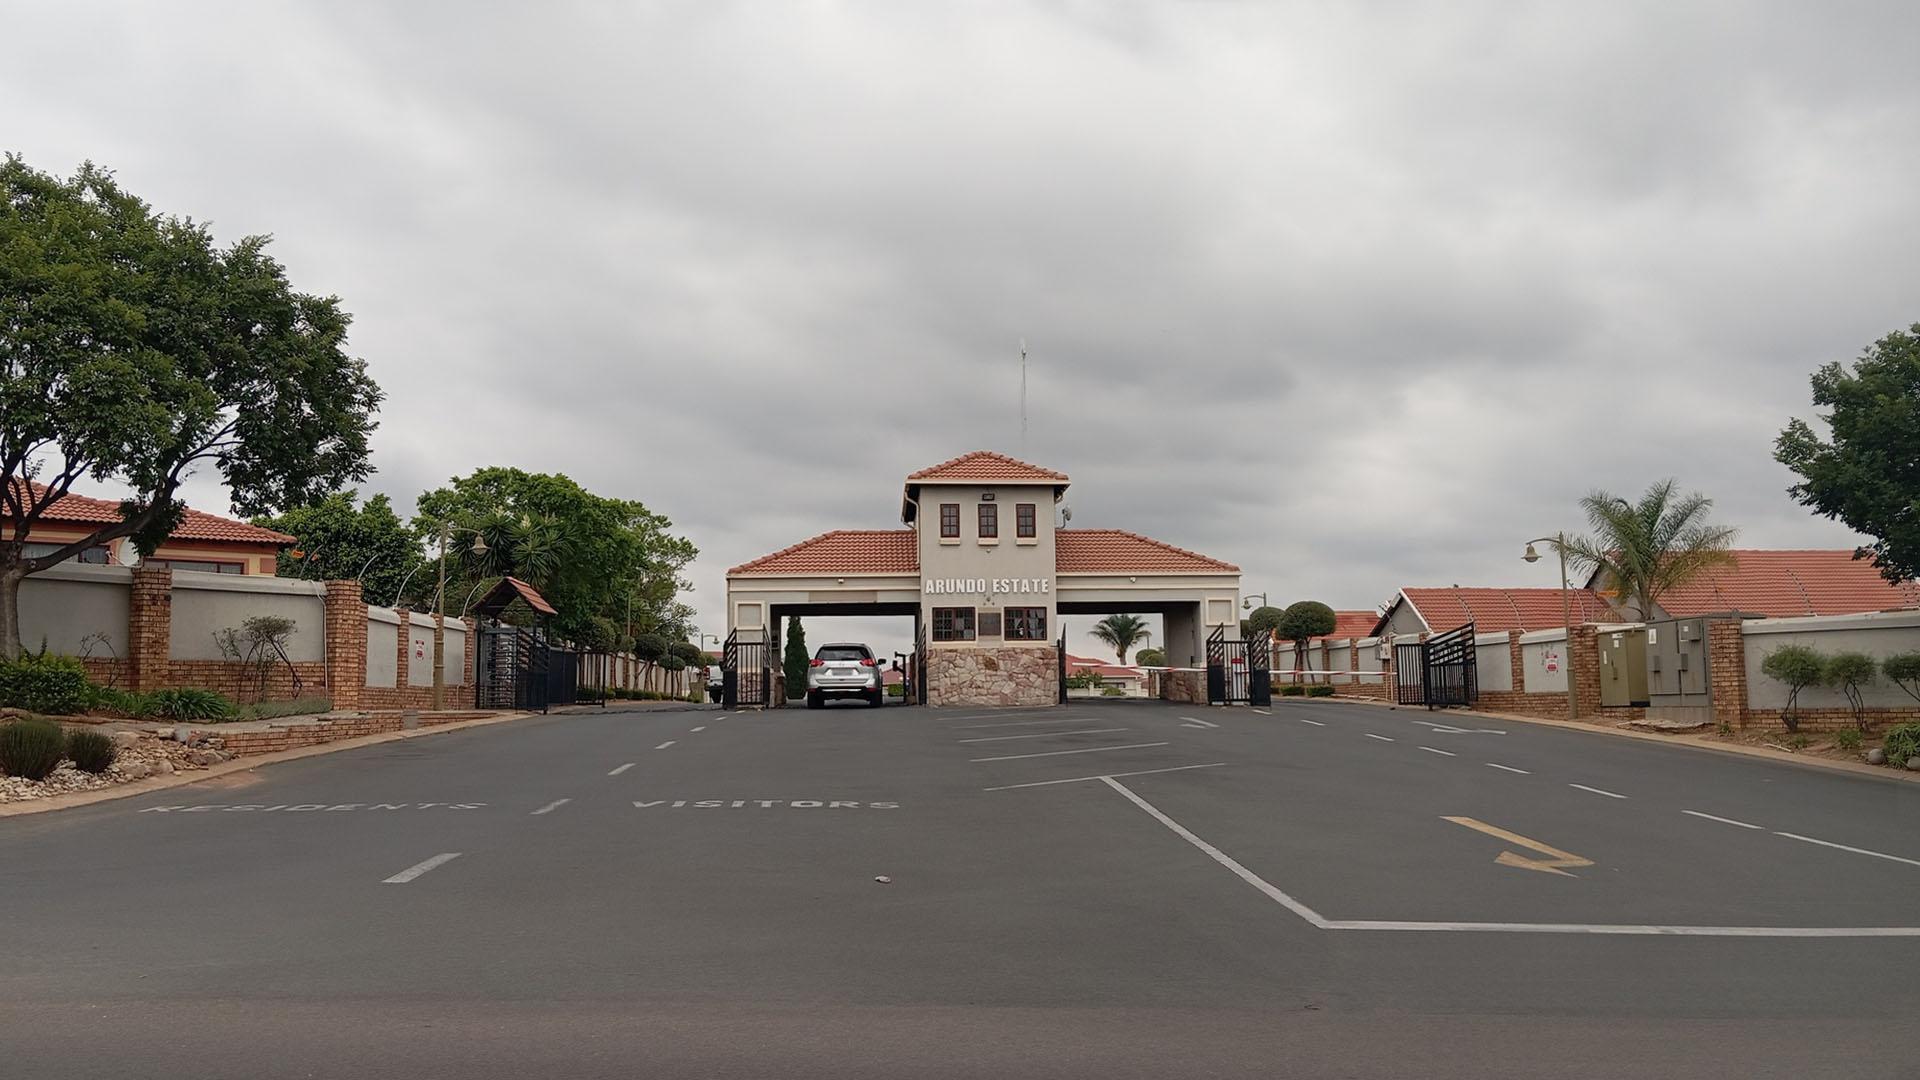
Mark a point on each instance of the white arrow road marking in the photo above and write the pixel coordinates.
(417, 869)
(1197, 720)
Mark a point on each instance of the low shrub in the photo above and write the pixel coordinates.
(1901, 743)
(1112, 691)
(1847, 740)
(45, 684)
(1293, 690)
(91, 751)
(1796, 741)
(1319, 691)
(31, 748)
(184, 704)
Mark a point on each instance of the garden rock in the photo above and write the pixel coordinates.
(1913, 763)
(126, 740)
(1876, 756)
(138, 770)
(163, 767)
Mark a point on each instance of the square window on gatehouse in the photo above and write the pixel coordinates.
(950, 520)
(1023, 521)
(989, 521)
(1026, 624)
(953, 624)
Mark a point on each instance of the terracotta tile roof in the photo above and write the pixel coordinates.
(1103, 668)
(1353, 624)
(843, 551)
(1785, 583)
(1495, 611)
(84, 510)
(1116, 551)
(987, 465)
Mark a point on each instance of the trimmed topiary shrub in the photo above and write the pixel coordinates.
(1850, 672)
(45, 684)
(184, 704)
(31, 749)
(90, 751)
(1293, 690)
(1796, 667)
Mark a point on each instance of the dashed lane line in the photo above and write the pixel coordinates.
(552, 806)
(419, 868)
(1371, 735)
(1446, 753)
(1262, 712)
(1507, 768)
(1026, 723)
(1059, 753)
(1843, 847)
(1721, 820)
(702, 727)
(621, 769)
(1104, 776)
(1598, 791)
(1315, 723)
(1047, 734)
(1197, 720)
(664, 745)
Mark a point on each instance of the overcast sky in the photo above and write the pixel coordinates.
(1356, 296)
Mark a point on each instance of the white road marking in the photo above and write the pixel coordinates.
(1319, 921)
(1507, 768)
(621, 769)
(417, 869)
(1047, 734)
(1103, 776)
(1058, 753)
(1197, 720)
(664, 745)
(1371, 735)
(1843, 847)
(552, 806)
(1721, 820)
(1219, 856)
(1263, 712)
(1195, 727)
(1431, 750)
(1026, 723)
(1598, 791)
(1304, 720)
(1449, 729)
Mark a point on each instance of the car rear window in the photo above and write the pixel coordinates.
(842, 652)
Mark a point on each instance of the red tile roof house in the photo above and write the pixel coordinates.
(1131, 680)
(1416, 611)
(202, 541)
(1781, 584)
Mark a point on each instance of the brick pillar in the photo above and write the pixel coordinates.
(346, 629)
(405, 638)
(150, 628)
(1583, 652)
(1516, 659)
(1727, 671)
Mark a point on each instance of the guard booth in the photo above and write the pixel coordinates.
(513, 667)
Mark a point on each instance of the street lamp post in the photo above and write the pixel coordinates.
(447, 529)
(1246, 603)
(1559, 541)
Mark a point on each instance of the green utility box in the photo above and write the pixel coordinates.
(1623, 667)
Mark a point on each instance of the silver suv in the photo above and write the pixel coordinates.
(844, 669)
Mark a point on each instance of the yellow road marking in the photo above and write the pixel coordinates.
(1554, 865)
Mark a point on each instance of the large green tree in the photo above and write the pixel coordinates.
(337, 539)
(1646, 548)
(1868, 474)
(133, 350)
(611, 567)
(1301, 622)
(1121, 633)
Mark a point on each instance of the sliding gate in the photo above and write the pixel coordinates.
(1439, 672)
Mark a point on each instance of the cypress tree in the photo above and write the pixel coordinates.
(795, 659)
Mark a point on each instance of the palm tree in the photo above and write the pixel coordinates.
(1122, 633)
(1650, 547)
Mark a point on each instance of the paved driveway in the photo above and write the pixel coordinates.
(1109, 889)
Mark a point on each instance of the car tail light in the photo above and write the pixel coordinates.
(816, 662)
(869, 663)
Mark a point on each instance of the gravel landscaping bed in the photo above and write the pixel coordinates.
(139, 755)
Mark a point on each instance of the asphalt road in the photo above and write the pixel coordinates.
(1319, 890)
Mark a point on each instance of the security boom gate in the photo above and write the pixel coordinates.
(1440, 672)
(1239, 671)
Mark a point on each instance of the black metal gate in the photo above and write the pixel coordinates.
(745, 681)
(1062, 658)
(512, 670)
(1238, 671)
(593, 675)
(916, 692)
(1440, 672)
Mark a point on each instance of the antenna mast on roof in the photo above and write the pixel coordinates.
(1023, 397)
